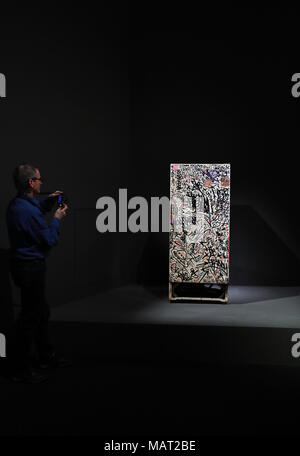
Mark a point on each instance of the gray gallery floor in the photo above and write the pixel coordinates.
(248, 306)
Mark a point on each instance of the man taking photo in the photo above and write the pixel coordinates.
(31, 239)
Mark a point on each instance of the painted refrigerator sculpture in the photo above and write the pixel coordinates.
(199, 231)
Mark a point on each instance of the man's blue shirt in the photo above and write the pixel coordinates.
(29, 235)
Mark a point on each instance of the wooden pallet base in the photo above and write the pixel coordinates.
(186, 291)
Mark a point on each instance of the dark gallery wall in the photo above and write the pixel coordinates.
(212, 87)
(107, 99)
(65, 112)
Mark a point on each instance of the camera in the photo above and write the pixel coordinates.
(61, 200)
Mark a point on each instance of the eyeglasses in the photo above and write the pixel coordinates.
(37, 179)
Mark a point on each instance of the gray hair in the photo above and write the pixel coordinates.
(22, 174)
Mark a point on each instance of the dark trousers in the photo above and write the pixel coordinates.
(32, 338)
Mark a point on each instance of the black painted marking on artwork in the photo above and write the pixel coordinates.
(194, 210)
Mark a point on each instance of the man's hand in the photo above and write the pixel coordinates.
(56, 193)
(61, 212)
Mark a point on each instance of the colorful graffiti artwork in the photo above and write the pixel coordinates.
(199, 224)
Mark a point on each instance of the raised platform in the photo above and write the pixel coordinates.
(255, 327)
(145, 366)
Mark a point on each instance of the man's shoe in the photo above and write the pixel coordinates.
(29, 376)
